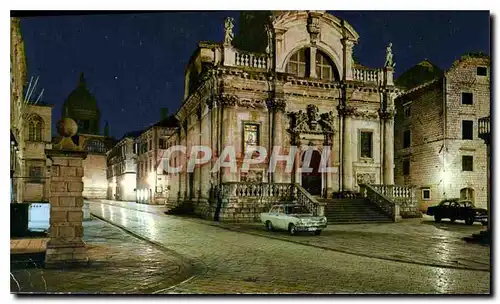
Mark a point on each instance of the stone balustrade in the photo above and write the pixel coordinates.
(372, 193)
(268, 193)
(368, 75)
(305, 199)
(250, 60)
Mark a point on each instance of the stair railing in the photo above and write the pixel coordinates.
(304, 198)
(388, 206)
(280, 191)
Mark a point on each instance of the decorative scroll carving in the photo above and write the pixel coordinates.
(228, 31)
(366, 178)
(327, 121)
(251, 103)
(313, 28)
(252, 176)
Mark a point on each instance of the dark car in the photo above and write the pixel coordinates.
(456, 209)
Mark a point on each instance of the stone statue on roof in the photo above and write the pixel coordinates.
(228, 31)
(389, 57)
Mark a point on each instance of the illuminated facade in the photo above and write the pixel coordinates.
(299, 87)
(121, 170)
(152, 182)
(438, 148)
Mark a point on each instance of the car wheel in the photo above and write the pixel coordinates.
(269, 226)
(317, 232)
(437, 219)
(291, 229)
(469, 221)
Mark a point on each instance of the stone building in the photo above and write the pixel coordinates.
(302, 89)
(437, 147)
(37, 137)
(152, 182)
(122, 169)
(81, 106)
(18, 78)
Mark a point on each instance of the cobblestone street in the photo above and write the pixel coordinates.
(119, 263)
(408, 257)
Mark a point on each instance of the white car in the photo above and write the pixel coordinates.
(293, 218)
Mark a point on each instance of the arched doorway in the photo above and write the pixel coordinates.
(467, 193)
(311, 181)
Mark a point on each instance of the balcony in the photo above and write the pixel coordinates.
(484, 129)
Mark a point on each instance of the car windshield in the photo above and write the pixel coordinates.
(467, 204)
(296, 210)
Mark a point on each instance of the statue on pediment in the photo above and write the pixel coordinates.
(228, 31)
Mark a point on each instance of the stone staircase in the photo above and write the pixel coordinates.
(353, 211)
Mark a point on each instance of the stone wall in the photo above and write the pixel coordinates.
(436, 162)
(95, 181)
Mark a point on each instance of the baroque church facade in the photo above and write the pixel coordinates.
(301, 88)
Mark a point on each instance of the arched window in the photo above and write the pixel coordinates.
(35, 127)
(324, 67)
(94, 145)
(298, 63)
(467, 193)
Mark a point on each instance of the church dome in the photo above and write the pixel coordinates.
(81, 106)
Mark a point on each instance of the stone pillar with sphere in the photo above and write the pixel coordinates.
(66, 245)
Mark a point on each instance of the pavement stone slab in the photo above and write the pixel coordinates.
(230, 261)
(119, 263)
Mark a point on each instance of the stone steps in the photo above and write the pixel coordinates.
(353, 211)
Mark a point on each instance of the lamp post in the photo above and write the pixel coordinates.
(485, 134)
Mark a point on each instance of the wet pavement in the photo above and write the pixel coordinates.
(411, 257)
(119, 263)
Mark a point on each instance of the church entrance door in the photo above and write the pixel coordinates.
(311, 181)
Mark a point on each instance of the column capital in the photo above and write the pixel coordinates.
(278, 104)
(227, 100)
(346, 110)
(386, 114)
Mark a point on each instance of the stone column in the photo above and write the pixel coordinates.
(387, 116)
(312, 66)
(66, 246)
(228, 103)
(278, 106)
(347, 174)
(389, 151)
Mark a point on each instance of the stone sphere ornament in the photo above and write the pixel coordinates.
(67, 127)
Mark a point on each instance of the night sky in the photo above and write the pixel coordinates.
(134, 63)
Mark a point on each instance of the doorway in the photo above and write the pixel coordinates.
(311, 181)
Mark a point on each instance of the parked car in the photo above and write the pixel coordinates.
(293, 218)
(456, 209)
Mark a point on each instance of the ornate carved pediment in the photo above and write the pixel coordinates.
(311, 121)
